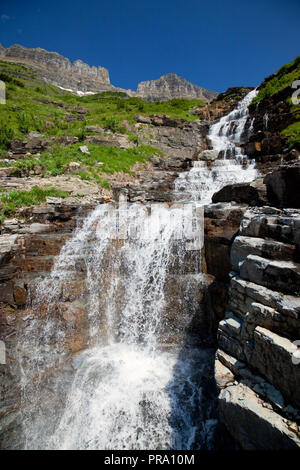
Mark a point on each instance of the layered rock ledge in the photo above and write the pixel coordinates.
(257, 369)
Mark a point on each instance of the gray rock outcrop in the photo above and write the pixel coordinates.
(58, 70)
(79, 76)
(171, 86)
(256, 370)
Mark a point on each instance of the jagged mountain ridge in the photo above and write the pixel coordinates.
(81, 77)
(171, 86)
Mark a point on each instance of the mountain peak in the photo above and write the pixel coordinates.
(79, 76)
(171, 85)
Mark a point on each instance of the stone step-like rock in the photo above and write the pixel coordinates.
(283, 276)
(7, 244)
(245, 246)
(272, 320)
(265, 390)
(229, 336)
(269, 222)
(243, 293)
(252, 423)
(274, 357)
(7, 171)
(119, 141)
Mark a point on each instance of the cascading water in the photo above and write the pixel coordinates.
(139, 384)
(131, 390)
(207, 177)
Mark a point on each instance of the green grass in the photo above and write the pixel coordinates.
(111, 160)
(293, 134)
(290, 65)
(283, 78)
(123, 107)
(23, 112)
(11, 200)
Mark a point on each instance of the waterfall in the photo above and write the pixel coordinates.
(266, 120)
(133, 387)
(109, 358)
(207, 177)
(251, 127)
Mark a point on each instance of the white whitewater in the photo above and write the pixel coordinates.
(129, 390)
(206, 178)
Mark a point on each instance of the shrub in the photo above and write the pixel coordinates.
(8, 79)
(82, 133)
(133, 138)
(293, 134)
(40, 90)
(113, 124)
(6, 135)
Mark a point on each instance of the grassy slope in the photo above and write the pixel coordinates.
(102, 160)
(24, 112)
(283, 78)
(11, 200)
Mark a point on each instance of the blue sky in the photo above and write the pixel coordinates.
(215, 44)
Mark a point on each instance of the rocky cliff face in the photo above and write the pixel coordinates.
(171, 86)
(58, 70)
(252, 250)
(253, 254)
(256, 369)
(79, 76)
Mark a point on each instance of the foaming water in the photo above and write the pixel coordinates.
(129, 391)
(122, 397)
(233, 166)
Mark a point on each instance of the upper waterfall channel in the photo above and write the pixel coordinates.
(143, 380)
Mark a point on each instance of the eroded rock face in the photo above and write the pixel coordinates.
(171, 86)
(29, 255)
(223, 104)
(24, 257)
(179, 142)
(222, 222)
(283, 186)
(79, 76)
(255, 339)
(59, 70)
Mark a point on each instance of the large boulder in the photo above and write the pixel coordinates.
(253, 194)
(271, 249)
(252, 423)
(283, 276)
(208, 155)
